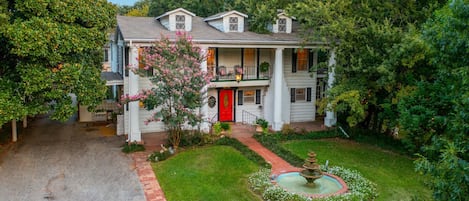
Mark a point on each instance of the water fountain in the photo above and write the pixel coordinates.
(312, 170)
(311, 181)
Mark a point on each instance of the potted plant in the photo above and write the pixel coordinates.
(262, 125)
(264, 66)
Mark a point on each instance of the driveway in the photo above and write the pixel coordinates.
(68, 161)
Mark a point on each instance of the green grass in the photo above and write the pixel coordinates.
(394, 174)
(208, 173)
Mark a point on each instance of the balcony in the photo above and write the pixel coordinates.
(224, 76)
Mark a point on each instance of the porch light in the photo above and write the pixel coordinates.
(238, 77)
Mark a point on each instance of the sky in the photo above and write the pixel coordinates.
(123, 2)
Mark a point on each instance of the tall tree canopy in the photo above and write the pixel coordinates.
(51, 49)
(436, 112)
(374, 62)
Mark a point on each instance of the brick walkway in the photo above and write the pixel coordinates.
(150, 185)
(244, 134)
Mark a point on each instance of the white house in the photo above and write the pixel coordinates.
(276, 83)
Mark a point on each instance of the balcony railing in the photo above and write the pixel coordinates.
(225, 73)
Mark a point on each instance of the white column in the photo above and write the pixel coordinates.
(331, 118)
(278, 77)
(205, 127)
(14, 132)
(134, 131)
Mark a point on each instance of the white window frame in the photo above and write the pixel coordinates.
(249, 99)
(233, 23)
(303, 99)
(180, 22)
(282, 25)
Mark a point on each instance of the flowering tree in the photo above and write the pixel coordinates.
(179, 84)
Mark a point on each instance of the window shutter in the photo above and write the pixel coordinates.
(308, 94)
(310, 60)
(240, 97)
(293, 61)
(292, 95)
(258, 96)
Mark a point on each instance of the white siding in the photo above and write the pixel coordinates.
(300, 111)
(253, 108)
(145, 83)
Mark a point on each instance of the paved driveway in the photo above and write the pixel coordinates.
(70, 161)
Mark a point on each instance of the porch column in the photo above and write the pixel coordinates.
(331, 118)
(134, 127)
(278, 77)
(204, 127)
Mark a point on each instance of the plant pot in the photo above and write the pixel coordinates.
(259, 129)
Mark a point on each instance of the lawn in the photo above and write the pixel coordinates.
(394, 174)
(208, 173)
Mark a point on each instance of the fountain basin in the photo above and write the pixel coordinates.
(327, 185)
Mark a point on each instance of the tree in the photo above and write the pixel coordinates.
(50, 50)
(179, 84)
(372, 66)
(436, 112)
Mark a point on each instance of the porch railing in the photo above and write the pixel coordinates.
(249, 118)
(225, 73)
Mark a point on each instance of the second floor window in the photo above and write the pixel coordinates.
(180, 22)
(233, 24)
(282, 25)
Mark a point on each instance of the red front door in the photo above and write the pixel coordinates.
(225, 105)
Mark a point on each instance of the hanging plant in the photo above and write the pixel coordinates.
(264, 67)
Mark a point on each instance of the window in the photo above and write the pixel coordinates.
(249, 96)
(300, 60)
(233, 24)
(141, 62)
(106, 55)
(211, 61)
(249, 63)
(180, 22)
(282, 25)
(300, 94)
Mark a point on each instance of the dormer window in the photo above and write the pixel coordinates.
(282, 25)
(233, 24)
(180, 22)
(228, 21)
(177, 20)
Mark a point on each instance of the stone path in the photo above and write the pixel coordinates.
(244, 134)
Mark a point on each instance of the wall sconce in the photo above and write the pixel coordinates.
(238, 77)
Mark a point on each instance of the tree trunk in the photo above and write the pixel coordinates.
(14, 134)
(25, 121)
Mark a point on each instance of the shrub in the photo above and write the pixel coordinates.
(192, 138)
(263, 123)
(132, 147)
(159, 156)
(225, 126)
(248, 153)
